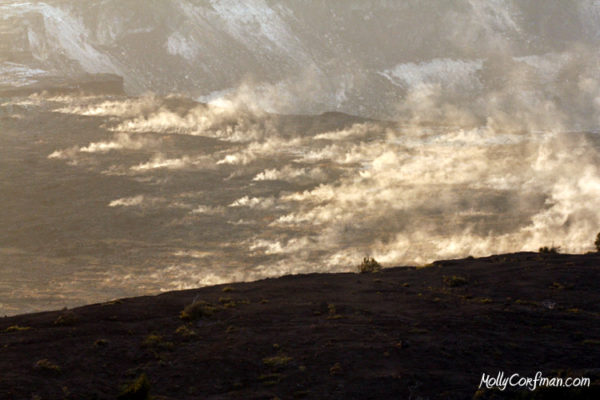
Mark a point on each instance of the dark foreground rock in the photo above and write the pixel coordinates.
(403, 333)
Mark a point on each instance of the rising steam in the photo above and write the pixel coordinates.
(475, 134)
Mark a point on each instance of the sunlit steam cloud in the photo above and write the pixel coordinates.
(505, 174)
(115, 108)
(160, 162)
(127, 201)
(475, 134)
(468, 167)
(121, 141)
(288, 173)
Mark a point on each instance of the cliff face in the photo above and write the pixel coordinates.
(355, 56)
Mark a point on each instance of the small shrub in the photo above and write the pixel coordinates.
(336, 369)
(101, 343)
(17, 328)
(227, 302)
(526, 302)
(549, 250)
(227, 289)
(277, 361)
(197, 310)
(155, 341)
(454, 281)
(137, 390)
(369, 265)
(333, 312)
(152, 340)
(597, 242)
(270, 379)
(47, 366)
(185, 332)
(112, 303)
(66, 319)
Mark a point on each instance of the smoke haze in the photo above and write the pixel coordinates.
(280, 137)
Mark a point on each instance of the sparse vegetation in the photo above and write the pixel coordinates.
(549, 250)
(526, 302)
(137, 390)
(277, 361)
(227, 302)
(185, 332)
(597, 242)
(17, 328)
(333, 312)
(336, 369)
(101, 343)
(157, 342)
(152, 340)
(369, 265)
(197, 309)
(47, 366)
(66, 319)
(227, 289)
(112, 303)
(455, 281)
(270, 379)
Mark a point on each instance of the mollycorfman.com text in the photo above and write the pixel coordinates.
(502, 381)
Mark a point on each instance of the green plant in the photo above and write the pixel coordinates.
(454, 281)
(270, 379)
(369, 265)
(549, 250)
(152, 340)
(277, 361)
(67, 318)
(17, 328)
(101, 343)
(155, 341)
(137, 390)
(333, 312)
(47, 366)
(197, 309)
(227, 302)
(185, 332)
(336, 369)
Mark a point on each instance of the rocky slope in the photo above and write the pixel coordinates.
(426, 333)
